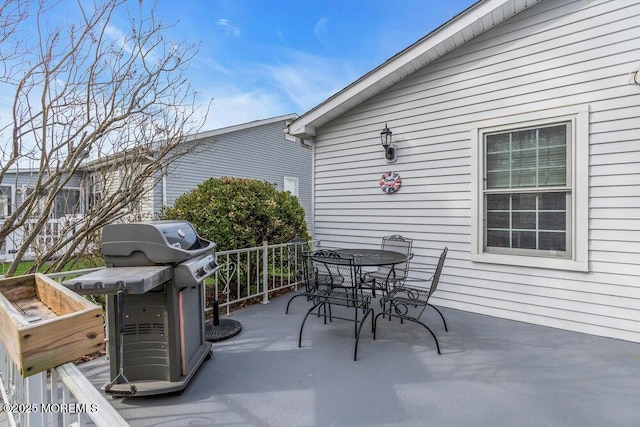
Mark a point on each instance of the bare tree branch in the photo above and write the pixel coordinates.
(93, 101)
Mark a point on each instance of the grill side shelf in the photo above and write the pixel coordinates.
(136, 280)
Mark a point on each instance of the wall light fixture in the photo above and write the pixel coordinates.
(389, 147)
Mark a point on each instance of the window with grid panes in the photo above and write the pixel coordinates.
(527, 191)
(66, 202)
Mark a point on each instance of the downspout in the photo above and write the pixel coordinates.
(311, 145)
(313, 191)
(164, 187)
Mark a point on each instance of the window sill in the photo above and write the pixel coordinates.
(537, 262)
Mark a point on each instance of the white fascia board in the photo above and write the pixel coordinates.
(242, 126)
(303, 131)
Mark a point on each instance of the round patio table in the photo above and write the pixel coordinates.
(364, 258)
(373, 257)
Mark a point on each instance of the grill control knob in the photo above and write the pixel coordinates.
(201, 271)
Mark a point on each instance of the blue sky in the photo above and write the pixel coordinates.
(260, 59)
(264, 58)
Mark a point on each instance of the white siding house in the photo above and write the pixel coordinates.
(517, 125)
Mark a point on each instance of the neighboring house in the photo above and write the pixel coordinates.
(15, 185)
(517, 128)
(258, 150)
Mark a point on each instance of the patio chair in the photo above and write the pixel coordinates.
(408, 303)
(343, 291)
(387, 277)
(314, 282)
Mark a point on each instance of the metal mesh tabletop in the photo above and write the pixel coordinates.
(373, 257)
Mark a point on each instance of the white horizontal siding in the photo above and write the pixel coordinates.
(554, 54)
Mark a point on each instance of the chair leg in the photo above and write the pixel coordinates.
(441, 316)
(412, 320)
(355, 323)
(383, 306)
(355, 353)
(324, 306)
(431, 332)
(291, 299)
(373, 326)
(317, 305)
(375, 322)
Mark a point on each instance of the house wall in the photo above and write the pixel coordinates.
(22, 180)
(19, 182)
(29, 179)
(555, 54)
(259, 152)
(110, 183)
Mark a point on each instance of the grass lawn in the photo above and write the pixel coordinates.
(87, 262)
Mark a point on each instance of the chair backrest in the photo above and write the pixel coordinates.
(436, 275)
(338, 268)
(306, 272)
(397, 243)
(401, 244)
(300, 263)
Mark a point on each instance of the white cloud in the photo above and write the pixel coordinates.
(232, 106)
(125, 42)
(319, 29)
(295, 83)
(119, 36)
(204, 66)
(308, 80)
(229, 29)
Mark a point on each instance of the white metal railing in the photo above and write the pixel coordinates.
(255, 274)
(66, 397)
(61, 397)
(53, 230)
(248, 274)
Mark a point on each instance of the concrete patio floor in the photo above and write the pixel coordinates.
(492, 372)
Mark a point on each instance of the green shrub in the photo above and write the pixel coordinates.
(240, 213)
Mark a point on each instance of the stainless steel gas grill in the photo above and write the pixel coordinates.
(155, 304)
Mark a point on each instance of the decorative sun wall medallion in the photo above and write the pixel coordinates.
(390, 182)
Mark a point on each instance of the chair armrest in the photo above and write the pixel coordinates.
(423, 277)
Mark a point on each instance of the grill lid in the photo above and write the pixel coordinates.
(161, 242)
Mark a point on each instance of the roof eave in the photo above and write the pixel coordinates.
(243, 126)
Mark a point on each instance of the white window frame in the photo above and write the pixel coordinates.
(80, 200)
(288, 182)
(12, 198)
(578, 117)
(93, 190)
(41, 200)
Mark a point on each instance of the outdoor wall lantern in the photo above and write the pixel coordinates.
(389, 147)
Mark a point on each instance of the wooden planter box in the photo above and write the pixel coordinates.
(43, 324)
